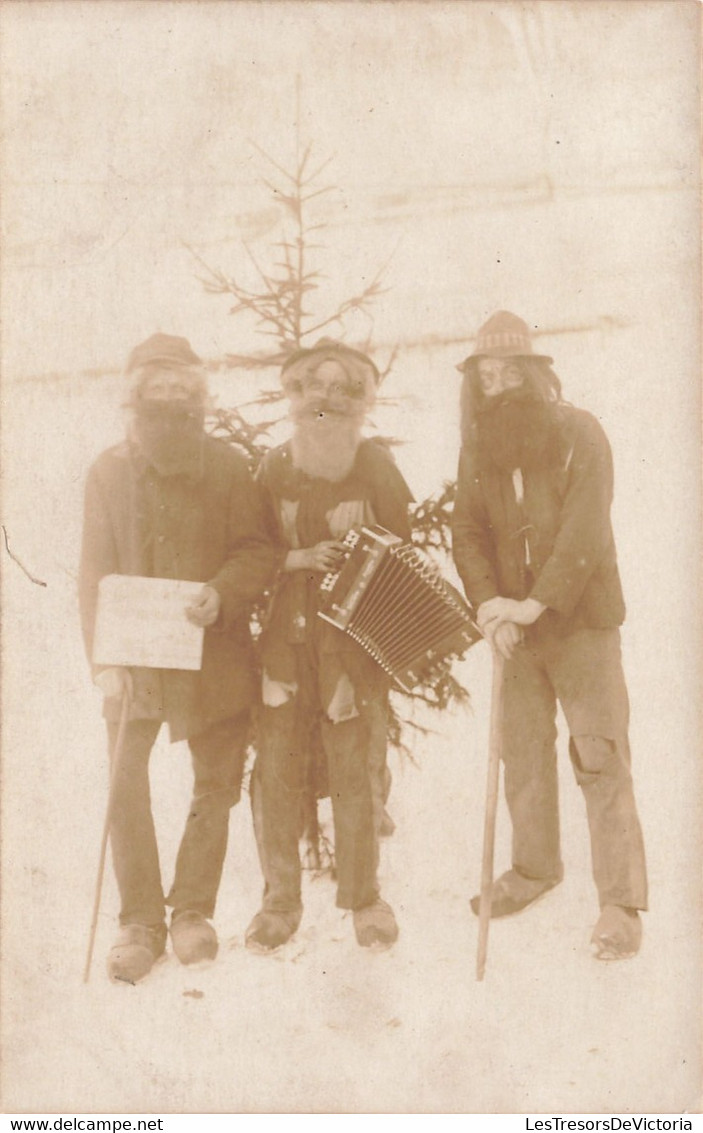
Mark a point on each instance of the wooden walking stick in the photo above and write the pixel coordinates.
(116, 757)
(489, 824)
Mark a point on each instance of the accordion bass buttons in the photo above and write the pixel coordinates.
(350, 542)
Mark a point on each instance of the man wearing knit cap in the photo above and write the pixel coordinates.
(171, 502)
(316, 679)
(533, 543)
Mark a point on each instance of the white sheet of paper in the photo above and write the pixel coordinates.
(142, 621)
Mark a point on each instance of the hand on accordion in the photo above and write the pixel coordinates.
(393, 602)
(325, 556)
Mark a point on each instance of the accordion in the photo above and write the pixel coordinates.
(393, 602)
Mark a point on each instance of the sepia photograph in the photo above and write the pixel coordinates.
(351, 558)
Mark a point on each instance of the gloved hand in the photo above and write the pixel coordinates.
(114, 682)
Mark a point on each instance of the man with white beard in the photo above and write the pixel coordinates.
(321, 483)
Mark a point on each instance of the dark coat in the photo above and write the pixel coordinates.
(565, 516)
(207, 527)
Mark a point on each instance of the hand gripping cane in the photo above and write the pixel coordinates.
(489, 823)
(115, 762)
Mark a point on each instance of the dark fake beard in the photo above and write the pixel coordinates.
(516, 430)
(170, 435)
(325, 442)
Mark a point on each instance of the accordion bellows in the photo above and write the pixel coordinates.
(393, 602)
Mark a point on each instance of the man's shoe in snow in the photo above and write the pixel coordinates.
(512, 892)
(132, 956)
(375, 925)
(193, 937)
(618, 933)
(270, 930)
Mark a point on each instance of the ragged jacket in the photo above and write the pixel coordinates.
(302, 512)
(208, 527)
(556, 543)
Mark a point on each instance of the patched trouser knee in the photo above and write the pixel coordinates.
(595, 756)
(602, 769)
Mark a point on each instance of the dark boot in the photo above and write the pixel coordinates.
(512, 892)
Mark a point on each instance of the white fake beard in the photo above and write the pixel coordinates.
(324, 445)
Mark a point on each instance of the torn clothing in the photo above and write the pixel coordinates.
(321, 689)
(282, 780)
(545, 533)
(303, 512)
(583, 671)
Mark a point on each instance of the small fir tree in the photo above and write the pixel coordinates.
(285, 307)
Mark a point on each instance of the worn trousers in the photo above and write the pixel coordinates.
(218, 755)
(279, 783)
(583, 672)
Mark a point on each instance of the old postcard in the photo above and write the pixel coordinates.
(266, 269)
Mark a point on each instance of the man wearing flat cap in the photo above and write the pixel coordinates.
(171, 502)
(316, 679)
(533, 544)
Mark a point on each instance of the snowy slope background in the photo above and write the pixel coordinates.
(539, 157)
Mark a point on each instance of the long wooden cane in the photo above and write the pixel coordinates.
(489, 823)
(116, 757)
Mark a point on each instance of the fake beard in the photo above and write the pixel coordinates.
(325, 441)
(516, 430)
(170, 435)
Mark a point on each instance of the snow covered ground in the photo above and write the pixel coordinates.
(536, 157)
(324, 1026)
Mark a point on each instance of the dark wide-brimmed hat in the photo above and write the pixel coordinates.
(503, 336)
(163, 349)
(329, 350)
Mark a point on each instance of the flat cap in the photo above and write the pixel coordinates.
(328, 348)
(165, 348)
